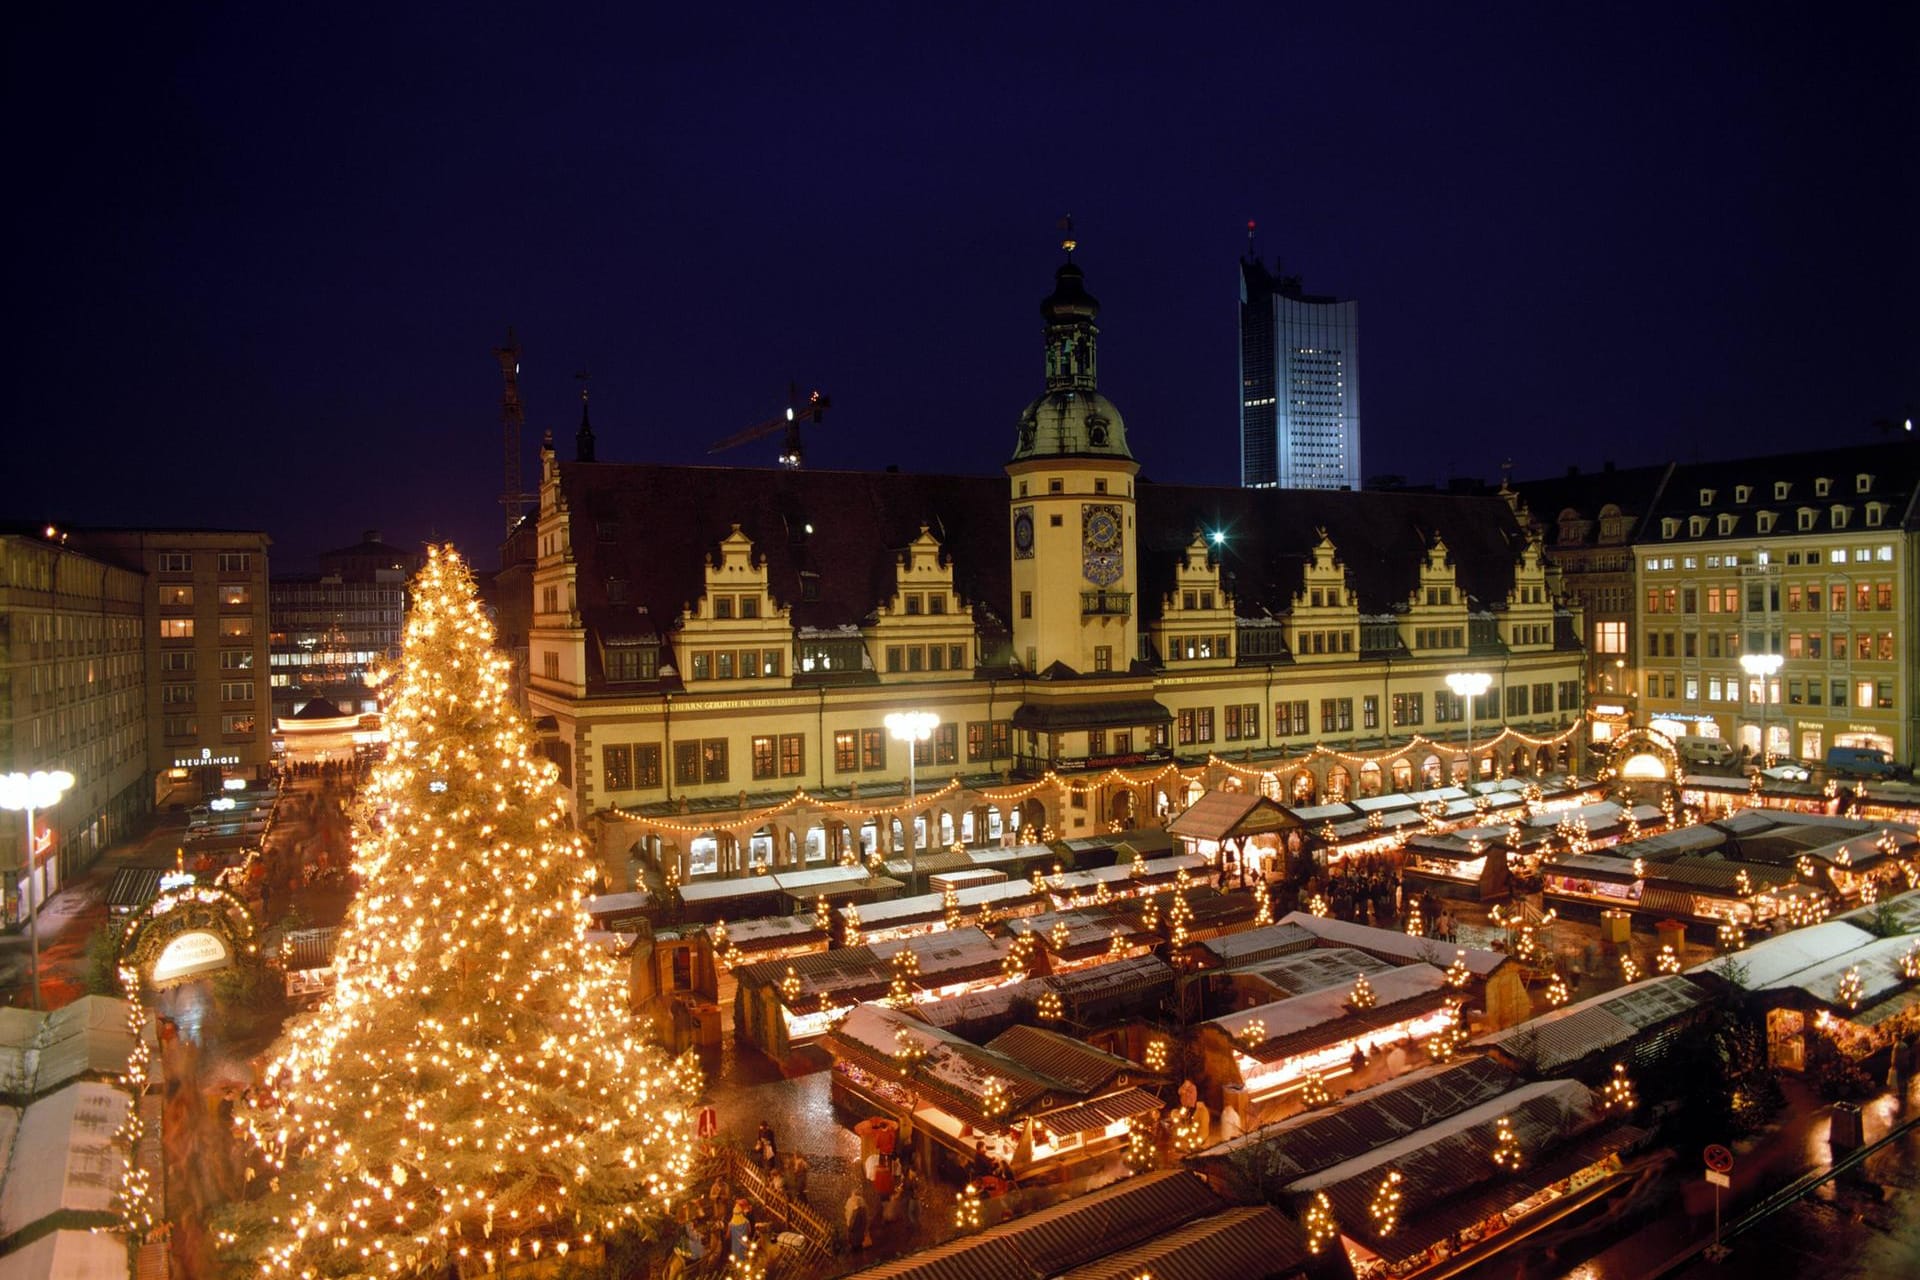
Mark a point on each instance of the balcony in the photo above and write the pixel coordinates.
(1106, 604)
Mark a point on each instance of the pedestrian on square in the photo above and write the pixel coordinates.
(797, 1177)
(854, 1214)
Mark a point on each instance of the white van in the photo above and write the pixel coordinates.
(1715, 753)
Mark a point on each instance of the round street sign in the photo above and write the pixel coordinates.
(1719, 1159)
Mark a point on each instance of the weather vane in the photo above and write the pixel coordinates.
(1067, 241)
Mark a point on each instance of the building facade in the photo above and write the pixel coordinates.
(73, 664)
(205, 621)
(712, 653)
(331, 631)
(1299, 384)
(1808, 557)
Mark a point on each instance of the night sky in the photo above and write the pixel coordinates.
(262, 255)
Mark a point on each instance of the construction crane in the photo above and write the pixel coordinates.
(790, 421)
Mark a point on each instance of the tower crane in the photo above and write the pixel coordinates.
(791, 451)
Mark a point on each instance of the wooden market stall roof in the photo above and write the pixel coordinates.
(1391, 944)
(1441, 1160)
(1556, 1041)
(41, 1052)
(1297, 1023)
(1309, 1141)
(1249, 1241)
(1316, 970)
(1230, 815)
(1073, 1233)
(1136, 983)
(1250, 945)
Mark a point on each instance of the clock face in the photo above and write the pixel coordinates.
(1103, 531)
(1023, 533)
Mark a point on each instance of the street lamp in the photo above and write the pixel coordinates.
(912, 728)
(32, 791)
(1766, 666)
(1469, 685)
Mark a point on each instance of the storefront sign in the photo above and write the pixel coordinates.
(205, 758)
(1608, 709)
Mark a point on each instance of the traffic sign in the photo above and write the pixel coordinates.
(1718, 1179)
(1719, 1159)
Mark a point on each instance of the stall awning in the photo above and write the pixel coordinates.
(1098, 1113)
(1223, 815)
(1066, 717)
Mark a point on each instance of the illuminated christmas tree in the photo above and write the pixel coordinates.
(474, 1091)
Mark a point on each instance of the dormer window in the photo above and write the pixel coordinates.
(1696, 525)
(1875, 511)
(1669, 526)
(1743, 493)
(1706, 497)
(1822, 487)
(1807, 516)
(1839, 517)
(1781, 488)
(1726, 524)
(1764, 521)
(1863, 483)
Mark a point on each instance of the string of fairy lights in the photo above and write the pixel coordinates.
(1082, 784)
(473, 1093)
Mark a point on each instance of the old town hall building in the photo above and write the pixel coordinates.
(712, 653)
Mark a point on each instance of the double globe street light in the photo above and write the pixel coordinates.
(31, 791)
(1469, 685)
(1764, 667)
(912, 728)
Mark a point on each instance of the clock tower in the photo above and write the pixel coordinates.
(1075, 571)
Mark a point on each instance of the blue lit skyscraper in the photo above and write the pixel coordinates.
(1299, 385)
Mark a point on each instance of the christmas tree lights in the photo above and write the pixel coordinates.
(474, 1091)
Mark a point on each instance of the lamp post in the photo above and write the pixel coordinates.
(1766, 666)
(912, 728)
(32, 791)
(1469, 685)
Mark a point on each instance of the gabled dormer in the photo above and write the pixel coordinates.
(734, 631)
(1324, 622)
(1528, 624)
(924, 630)
(1436, 619)
(1196, 626)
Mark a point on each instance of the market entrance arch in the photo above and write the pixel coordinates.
(186, 933)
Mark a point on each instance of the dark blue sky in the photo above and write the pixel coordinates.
(261, 255)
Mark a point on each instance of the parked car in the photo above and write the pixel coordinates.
(1715, 753)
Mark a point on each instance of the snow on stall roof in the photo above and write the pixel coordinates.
(1316, 970)
(946, 951)
(1772, 962)
(874, 915)
(1253, 944)
(41, 1051)
(1293, 1014)
(68, 1255)
(715, 890)
(64, 1157)
(813, 877)
(1409, 799)
(1393, 944)
(1121, 872)
(1903, 908)
(1878, 962)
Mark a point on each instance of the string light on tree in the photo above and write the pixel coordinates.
(1850, 990)
(474, 1088)
(966, 1208)
(1362, 996)
(1618, 1090)
(1458, 975)
(1557, 993)
(1157, 1055)
(993, 1098)
(1668, 961)
(1506, 1147)
(1314, 1091)
(1384, 1208)
(1629, 970)
(823, 914)
(790, 985)
(1320, 1227)
(1049, 1007)
(1317, 906)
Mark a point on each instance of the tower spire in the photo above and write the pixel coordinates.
(583, 438)
(1067, 243)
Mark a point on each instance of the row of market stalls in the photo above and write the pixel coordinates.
(1874, 800)
(61, 1162)
(224, 843)
(1753, 868)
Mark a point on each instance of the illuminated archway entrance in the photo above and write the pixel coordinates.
(186, 933)
(1644, 755)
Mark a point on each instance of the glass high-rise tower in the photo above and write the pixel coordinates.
(1299, 384)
